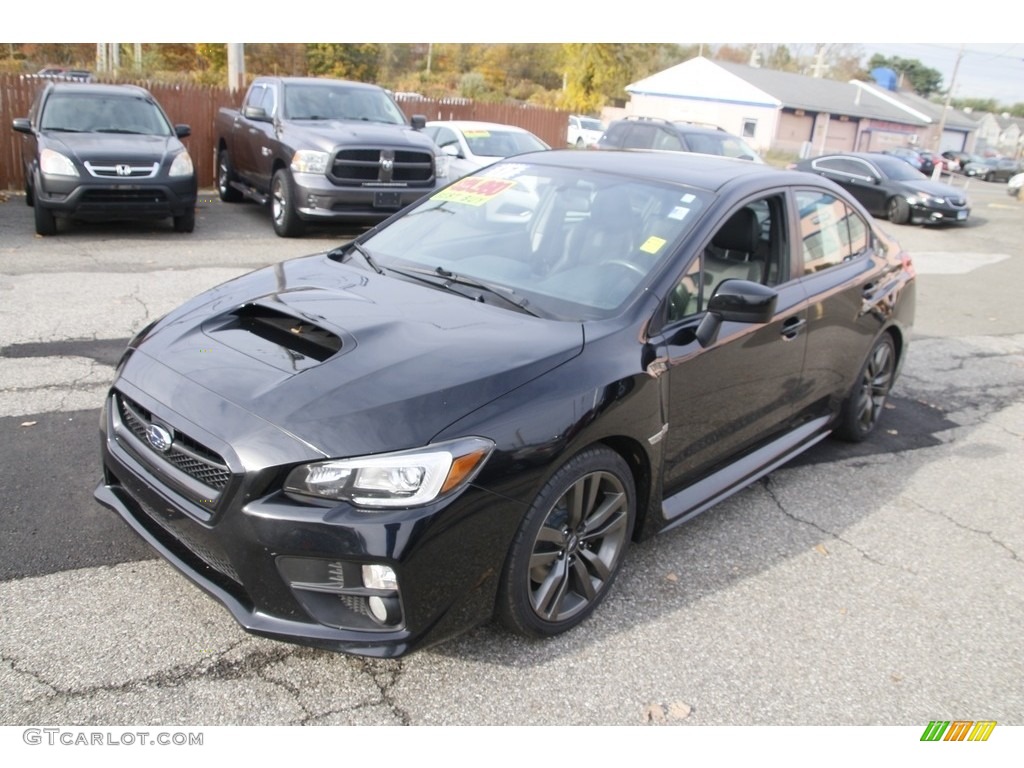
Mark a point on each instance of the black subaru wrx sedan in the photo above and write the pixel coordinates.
(474, 408)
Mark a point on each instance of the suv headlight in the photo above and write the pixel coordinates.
(182, 165)
(310, 161)
(403, 479)
(54, 163)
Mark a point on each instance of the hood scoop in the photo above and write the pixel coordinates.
(290, 342)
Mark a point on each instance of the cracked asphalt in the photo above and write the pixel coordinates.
(877, 584)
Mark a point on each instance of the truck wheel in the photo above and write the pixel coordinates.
(46, 222)
(225, 176)
(282, 202)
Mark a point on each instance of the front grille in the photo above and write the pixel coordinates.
(124, 196)
(373, 166)
(123, 171)
(188, 455)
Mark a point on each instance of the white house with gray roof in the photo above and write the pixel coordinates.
(786, 111)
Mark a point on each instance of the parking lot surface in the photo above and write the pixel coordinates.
(871, 584)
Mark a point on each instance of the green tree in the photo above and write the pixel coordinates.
(924, 81)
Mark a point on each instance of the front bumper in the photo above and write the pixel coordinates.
(257, 551)
(100, 200)
(318, 199)
(938, 214)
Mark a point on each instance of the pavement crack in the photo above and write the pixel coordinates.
(987, 534)
(385, 674)
(768, 482)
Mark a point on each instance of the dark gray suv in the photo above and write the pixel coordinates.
(674, 136)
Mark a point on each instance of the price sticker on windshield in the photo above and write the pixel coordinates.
(474, 190)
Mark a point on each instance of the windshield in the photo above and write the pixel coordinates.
(899, 170)
(101, 113)
(590, 124)
(488, 142)
(575, 245)
(315, 101)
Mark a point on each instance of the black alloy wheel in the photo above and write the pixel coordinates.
(570, 546)
(863, 408)
(899, 210)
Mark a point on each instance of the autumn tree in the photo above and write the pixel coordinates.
(924, 81)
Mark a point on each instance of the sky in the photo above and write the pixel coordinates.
(987, 69)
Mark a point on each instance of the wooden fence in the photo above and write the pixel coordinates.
(198, 105)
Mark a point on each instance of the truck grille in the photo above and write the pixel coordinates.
(369, 166)
(191, 457)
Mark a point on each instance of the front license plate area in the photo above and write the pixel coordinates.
(961, 215)
(391, 200)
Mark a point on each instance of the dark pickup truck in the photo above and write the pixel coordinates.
(324, 150)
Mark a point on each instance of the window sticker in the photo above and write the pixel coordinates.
(678, 213)
(478, 133)
(653, 244)
(687, 198)
(474, 190)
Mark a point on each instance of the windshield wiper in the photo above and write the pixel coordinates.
(345, 251)
(505, 294)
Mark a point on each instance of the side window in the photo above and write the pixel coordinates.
(830, 231)
(641, 136)
(667, 141)
(750, 244)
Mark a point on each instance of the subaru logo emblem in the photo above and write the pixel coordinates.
(123, 170)
(159, 438)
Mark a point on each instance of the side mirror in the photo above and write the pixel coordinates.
(22, 125)
(181, 130)
(736, 301)
(256, 113)
(452, 150)
(419, 122)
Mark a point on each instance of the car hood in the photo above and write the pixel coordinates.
(113, 147)
(347, 361)
(325, 135)
(935, 189)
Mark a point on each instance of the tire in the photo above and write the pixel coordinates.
(46, 222)
(898, 210)
(30, 197)
(863, 407)
(186, 222)
(570, 545)
(282, 205)
(990, 176)
(225, 175)
(579, 143)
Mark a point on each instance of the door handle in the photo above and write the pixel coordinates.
(792, 326)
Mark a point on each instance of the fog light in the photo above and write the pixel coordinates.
(384, 610)
(376, 576)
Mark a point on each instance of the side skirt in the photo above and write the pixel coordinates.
(702, 495)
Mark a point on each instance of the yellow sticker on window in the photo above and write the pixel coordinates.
(653, 244)
(476, 134)
(474, 190)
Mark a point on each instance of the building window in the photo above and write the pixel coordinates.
(749, 128)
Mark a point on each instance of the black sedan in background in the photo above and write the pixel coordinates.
(889, 187)
(992, 168)
(474, 408)
(104, 153)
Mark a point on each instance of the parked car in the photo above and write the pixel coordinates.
(674, 136)
(918, 160)
(890, 187)
(473, 144)
(992, 168)
(937, 160)
(322, 150)
(474, 408)
(583, 131)
(1014, 185)
(104, 153)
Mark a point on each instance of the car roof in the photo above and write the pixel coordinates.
(98, 89)
(711, 172)
(476, 124)
(318, 81)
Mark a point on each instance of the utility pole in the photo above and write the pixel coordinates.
(949, 98)
(236, 66)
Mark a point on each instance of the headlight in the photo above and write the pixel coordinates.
(55, 164)
(182, 165)
(402, 479)
(442, 163)
(310, 161)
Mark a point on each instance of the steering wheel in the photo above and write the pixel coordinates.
(627, 264)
